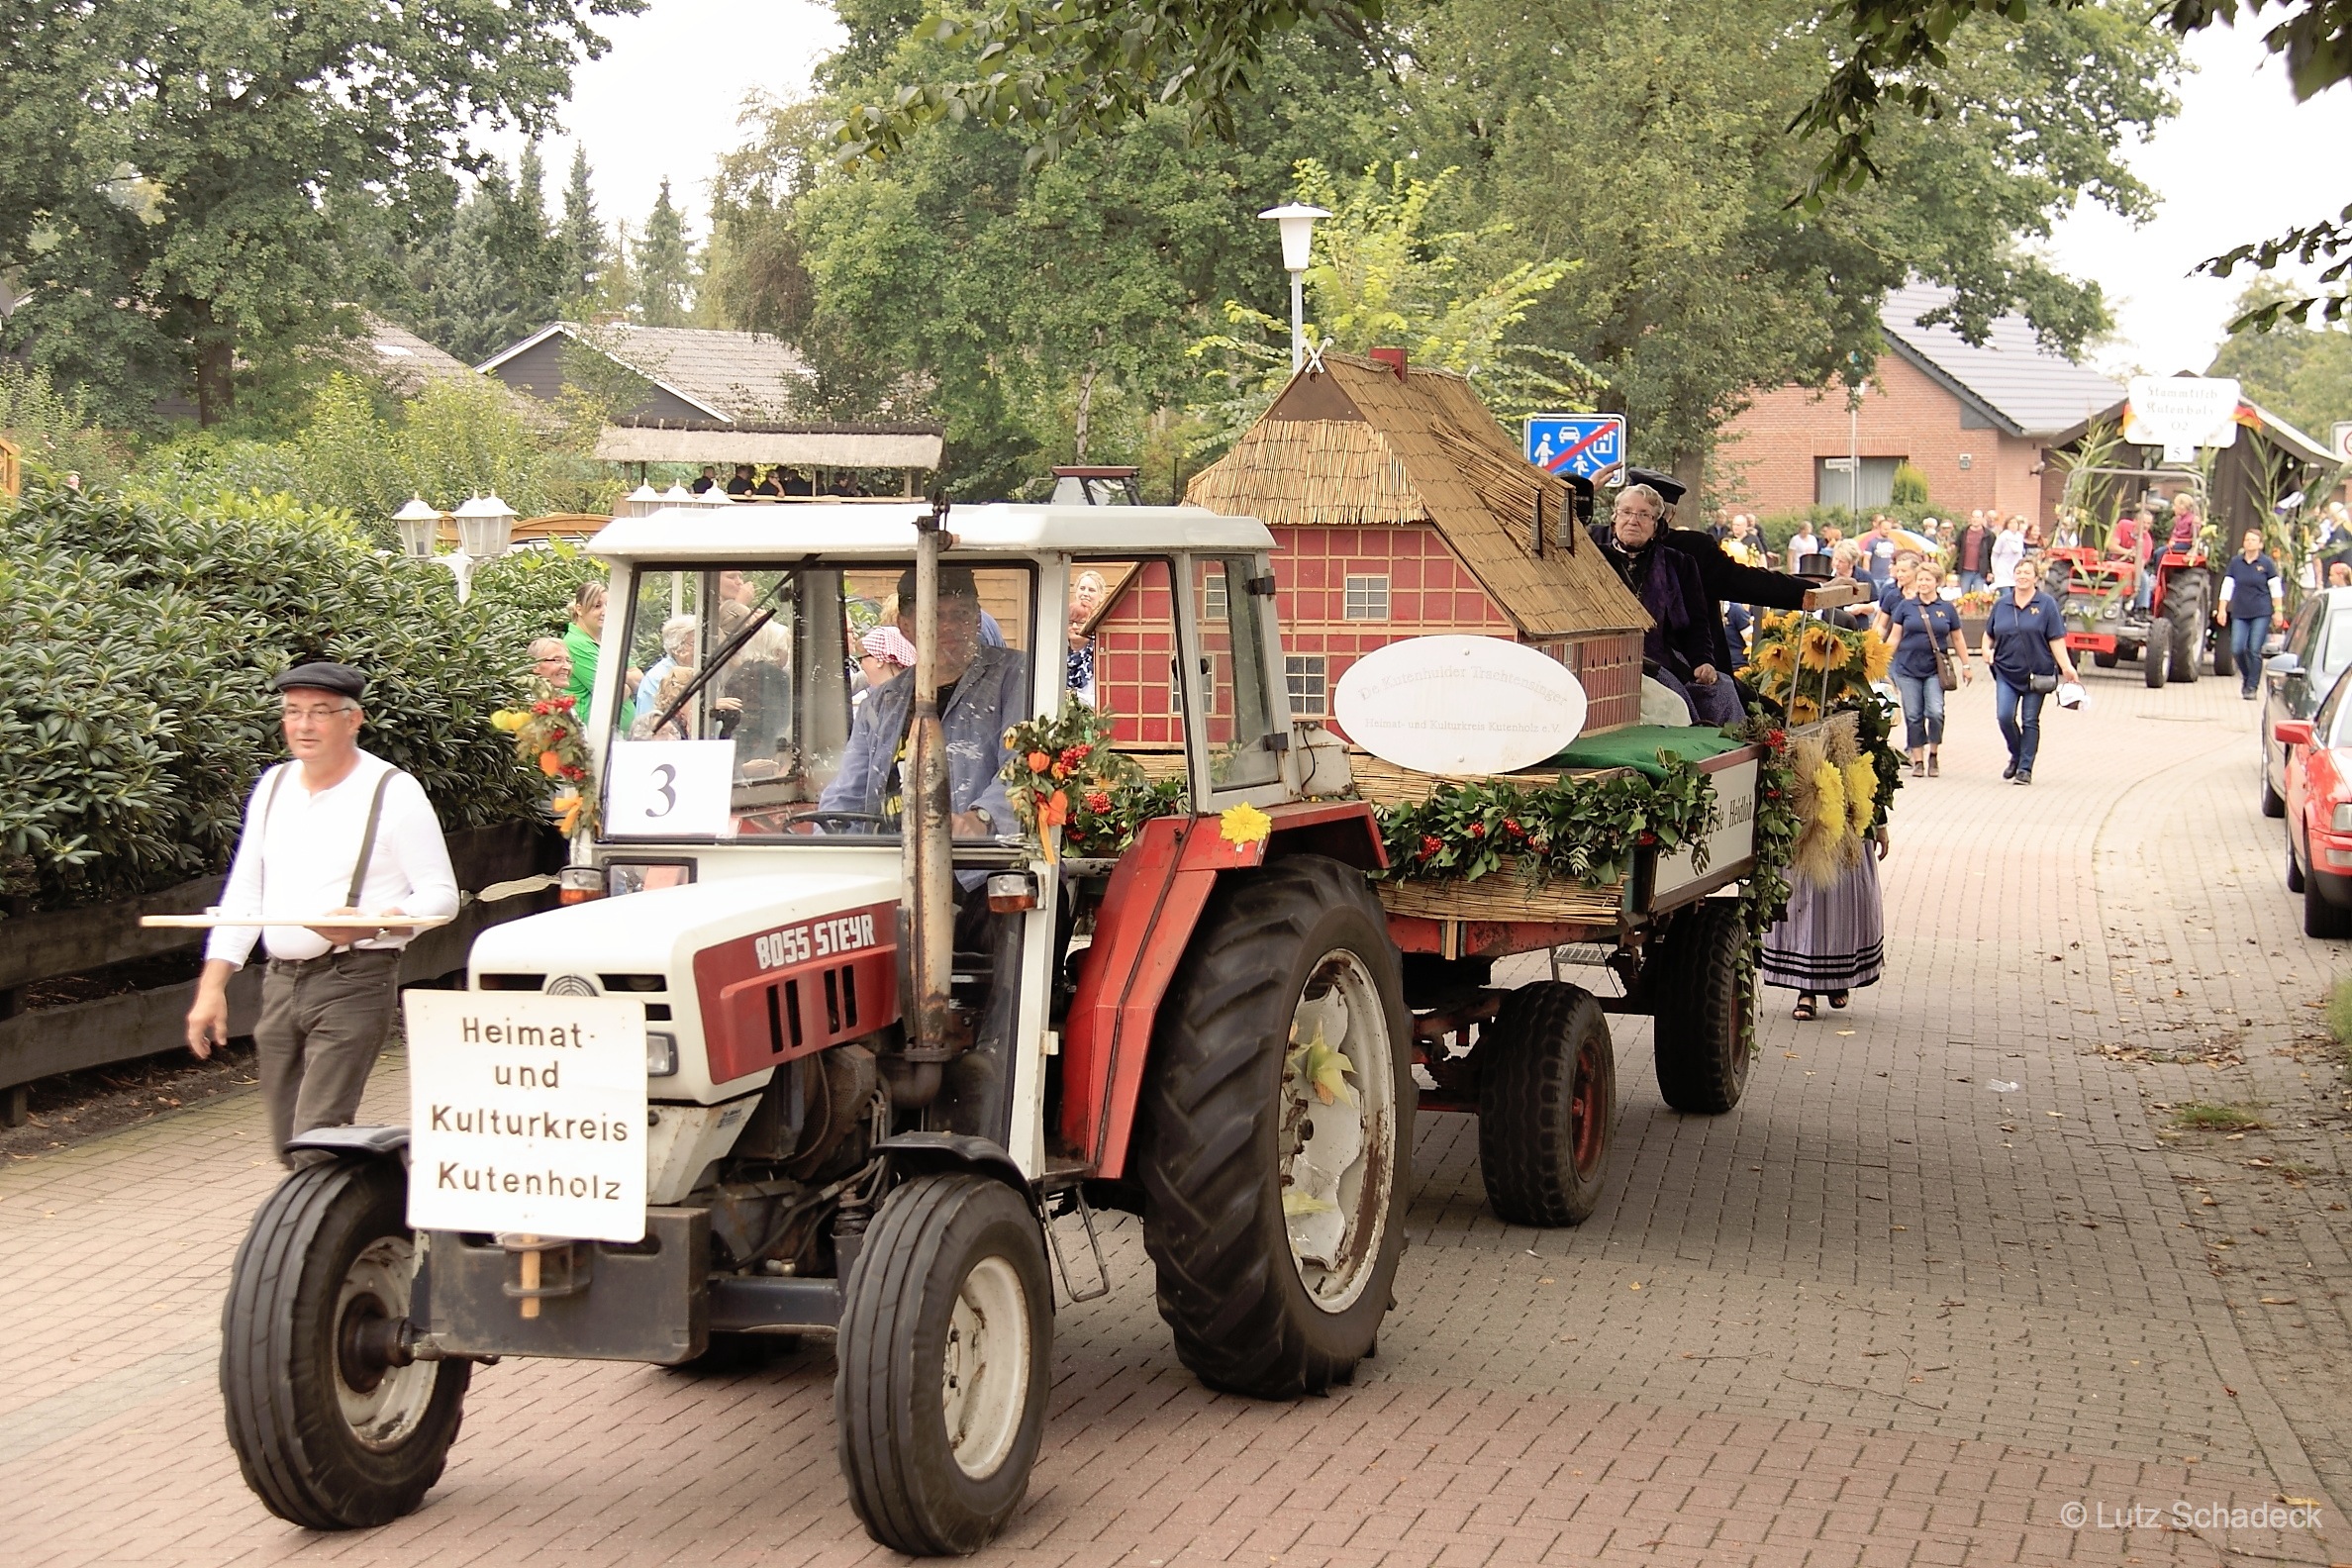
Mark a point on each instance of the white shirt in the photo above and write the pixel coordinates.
(299, 863)
(1801, 545)
(2008, 548)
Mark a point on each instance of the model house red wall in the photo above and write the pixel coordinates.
(1340, 593)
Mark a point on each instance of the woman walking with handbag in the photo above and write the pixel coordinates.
(1930, 658)
(2026, 643)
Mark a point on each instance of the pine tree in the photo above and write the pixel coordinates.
(665, 267)
(580, 240)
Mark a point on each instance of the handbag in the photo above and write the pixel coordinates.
(2045, 684)
(1947, 668)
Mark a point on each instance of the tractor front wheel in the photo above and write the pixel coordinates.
(330, 1432)
(2104, 661)
(1274, 1131)
(945, 1345)
(2153, 655)
(1546, 1105)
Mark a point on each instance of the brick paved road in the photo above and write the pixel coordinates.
(1882, 1314)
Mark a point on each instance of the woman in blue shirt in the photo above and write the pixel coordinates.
(1922, 623)
(2026, 643)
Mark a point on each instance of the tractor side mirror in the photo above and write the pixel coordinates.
(2293, 731)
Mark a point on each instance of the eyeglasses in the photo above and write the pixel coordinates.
(317, 715)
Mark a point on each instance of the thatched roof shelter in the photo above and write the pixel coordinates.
(1356, 443)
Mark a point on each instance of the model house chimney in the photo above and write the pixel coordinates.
(1394, 358)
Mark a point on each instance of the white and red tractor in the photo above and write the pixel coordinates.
(879, 1064)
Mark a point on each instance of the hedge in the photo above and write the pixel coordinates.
(135, 712)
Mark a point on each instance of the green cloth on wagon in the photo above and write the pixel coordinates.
(1637, 746)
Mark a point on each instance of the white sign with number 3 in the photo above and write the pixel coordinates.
(668, 789)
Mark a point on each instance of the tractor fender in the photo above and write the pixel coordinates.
(1141, 934)
(361, 1142)
(910, 1154)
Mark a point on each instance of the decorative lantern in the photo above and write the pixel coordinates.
(643, 501)
(485, 527)
(677, 495)
(419, 525)
(1296, 221)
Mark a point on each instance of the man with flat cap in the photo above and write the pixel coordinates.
(331, 834)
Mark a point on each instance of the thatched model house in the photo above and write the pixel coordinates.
(1399, 508)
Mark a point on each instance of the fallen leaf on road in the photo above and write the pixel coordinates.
(2278, 1300)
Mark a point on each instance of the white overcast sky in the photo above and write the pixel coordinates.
(2240, 161)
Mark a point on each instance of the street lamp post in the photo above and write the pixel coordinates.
(485, 528)
(1296, 220)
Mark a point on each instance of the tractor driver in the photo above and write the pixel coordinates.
(982, 689)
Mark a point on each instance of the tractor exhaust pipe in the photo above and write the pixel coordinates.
(928, 901)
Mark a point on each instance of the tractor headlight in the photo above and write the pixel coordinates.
(638, 876)
(661, 1054)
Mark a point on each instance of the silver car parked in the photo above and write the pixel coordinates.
(2296, 680)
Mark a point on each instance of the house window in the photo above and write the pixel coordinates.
(1834, 482)
(1175, 688)
(1303, 674)
(1212, 595)
(1367, 599)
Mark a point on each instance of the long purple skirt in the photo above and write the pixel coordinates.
(1831, 938)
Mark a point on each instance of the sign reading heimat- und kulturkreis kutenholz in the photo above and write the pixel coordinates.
(526, 1114)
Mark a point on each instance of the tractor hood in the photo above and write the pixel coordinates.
(711, 953)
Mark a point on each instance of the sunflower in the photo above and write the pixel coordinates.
(1878, 656)
(1820, 648)
(1804, 710)
(1776, 658)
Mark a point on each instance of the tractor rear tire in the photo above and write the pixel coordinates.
(328, 1434)
(946, 1352)
(2153, 654)
(1702, 1013)
(1546, 1105)
(1261, 1301)
(2106, 660)
(2185, 608)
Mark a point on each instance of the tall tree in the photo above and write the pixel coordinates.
(665, 267)
(1654, 154)
(580, 239)
(1020, 302)
(497, 273)
(206, 164)
(2302, 373)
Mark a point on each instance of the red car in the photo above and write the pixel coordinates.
(2318, 789)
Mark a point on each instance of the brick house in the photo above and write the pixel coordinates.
(1399, 507)
(1979, 420)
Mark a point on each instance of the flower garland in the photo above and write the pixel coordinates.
(1070, 788)
(1580, 826)
(549, 738)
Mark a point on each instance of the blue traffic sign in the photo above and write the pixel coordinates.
(1592, 445)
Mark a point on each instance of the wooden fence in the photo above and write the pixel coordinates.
(43, 1043)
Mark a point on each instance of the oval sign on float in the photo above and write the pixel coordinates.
(1460, 705)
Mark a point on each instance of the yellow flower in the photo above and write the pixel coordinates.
(510, 719)
(1861, 789)
(1878, 656)
(1776, 658)
(1829, 800)
(1804, 710)
(1244, 825)
(1815, 647)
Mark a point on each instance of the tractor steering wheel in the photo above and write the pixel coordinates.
(834, 816)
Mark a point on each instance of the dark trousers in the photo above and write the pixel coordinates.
(323, 1022)
(2018, 711)
(2245, 645)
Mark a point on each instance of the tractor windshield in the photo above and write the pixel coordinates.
(743, 710)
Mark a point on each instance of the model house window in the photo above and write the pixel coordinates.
(1175, 687)
(1367, 599)
(1303, 673)
(1212, 595)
